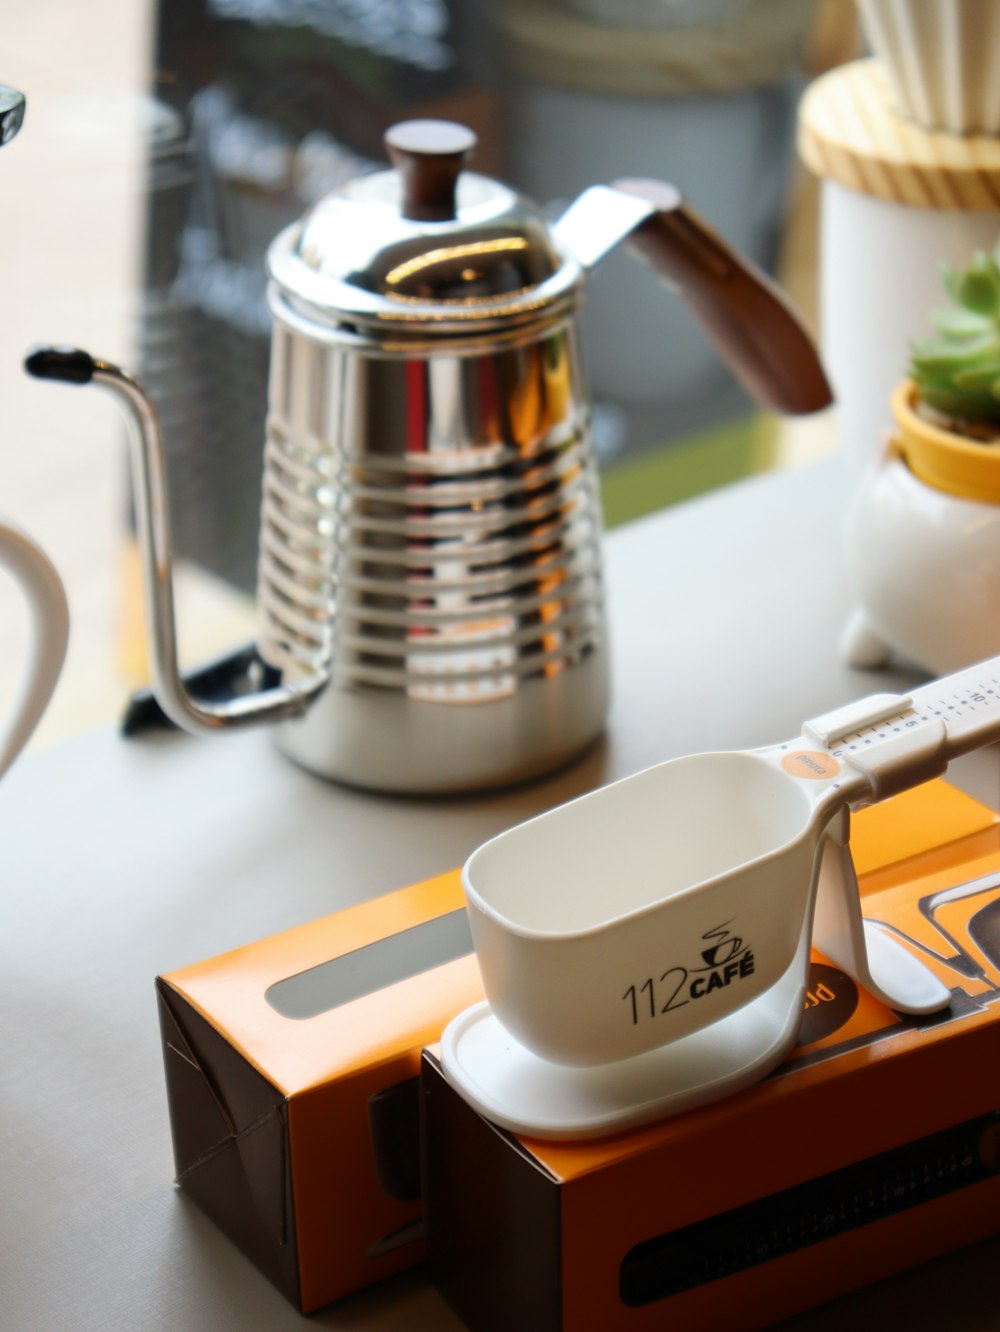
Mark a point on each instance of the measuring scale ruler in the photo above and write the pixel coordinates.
(645, 948)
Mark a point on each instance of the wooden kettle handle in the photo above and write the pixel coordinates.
(745, 314)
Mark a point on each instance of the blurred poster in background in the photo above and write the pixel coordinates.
(266, 105)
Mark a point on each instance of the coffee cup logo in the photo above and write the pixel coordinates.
(726, 951)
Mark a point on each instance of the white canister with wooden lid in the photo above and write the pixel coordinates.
(896, 201)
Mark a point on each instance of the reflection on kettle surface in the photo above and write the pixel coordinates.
(415, 569)
(429, 578)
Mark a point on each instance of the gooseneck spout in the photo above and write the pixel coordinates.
(279, 703)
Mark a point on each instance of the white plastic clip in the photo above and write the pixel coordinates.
(878, 962)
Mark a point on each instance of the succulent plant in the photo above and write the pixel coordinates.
(957, 372)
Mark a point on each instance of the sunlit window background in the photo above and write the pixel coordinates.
(166, 144)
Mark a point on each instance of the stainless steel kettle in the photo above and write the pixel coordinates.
(429, 589)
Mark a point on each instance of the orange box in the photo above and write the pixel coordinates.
(874, 1147)
(291, 1074)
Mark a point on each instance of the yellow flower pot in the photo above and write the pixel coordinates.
(948, 462)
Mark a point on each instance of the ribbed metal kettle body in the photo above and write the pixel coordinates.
(430, 533)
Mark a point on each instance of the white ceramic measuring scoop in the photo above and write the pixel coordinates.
(645, 948)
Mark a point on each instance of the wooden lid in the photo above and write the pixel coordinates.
(850, 132)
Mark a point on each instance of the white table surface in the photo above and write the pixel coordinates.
(123, 859)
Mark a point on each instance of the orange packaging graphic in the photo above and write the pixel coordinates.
(875, 1146)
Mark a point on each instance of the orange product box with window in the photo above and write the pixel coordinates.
(875, 1146)
(291, 1077)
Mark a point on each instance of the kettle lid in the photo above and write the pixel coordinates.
(426, 244)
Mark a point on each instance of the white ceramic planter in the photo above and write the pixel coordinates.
(879, 278)
(925, 563)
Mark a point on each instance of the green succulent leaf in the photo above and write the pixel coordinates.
(976, 381)
(938, 356)
(957, 323)
(957, 371)
(978, 288)
(962, 406)
(949, 280)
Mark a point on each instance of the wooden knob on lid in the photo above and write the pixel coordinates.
(429, 156)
